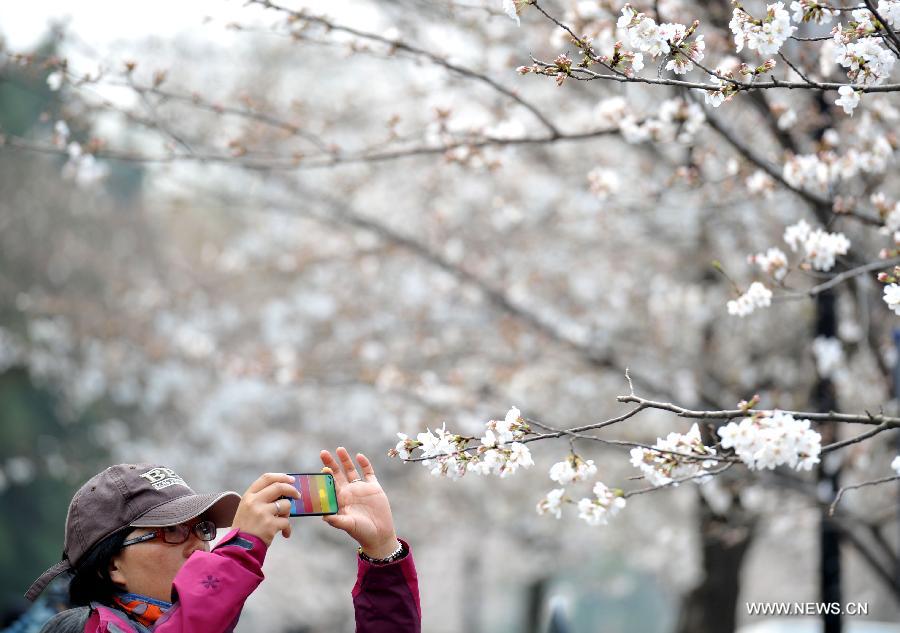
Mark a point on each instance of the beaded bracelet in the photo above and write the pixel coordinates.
(399, 553)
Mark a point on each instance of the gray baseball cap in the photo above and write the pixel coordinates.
(136, 495)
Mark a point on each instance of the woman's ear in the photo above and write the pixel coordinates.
(116, 571)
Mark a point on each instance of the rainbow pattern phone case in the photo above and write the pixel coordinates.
(317, 495)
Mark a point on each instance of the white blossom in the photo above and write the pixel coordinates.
(757, 296)
(609, 112)
(603, 182)
(661, 466)
(552, 503)
(848, 100)
(829, 354)
(896, 464)
(510, 8)
(890, 11)
(822, 247)
(765, 441)
(54, 80)
(766, 35)
(646, 36)
(83, 168)
(760, 183)
(796, 234)
(867, 60)
(812, 11)
(818, 247)
(892, 297)
(572, 469)
(773, 262)
(595, 511)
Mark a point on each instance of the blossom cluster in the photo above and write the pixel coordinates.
(858, 48)
(677, 120)
(826, 168)
(773, 262)
(724, 86)
(81, 167)
(668, 39)
(765, 35)
(446, 454)
(605, 503)
(573, 468)
(812, 11)
(603, 182)
(768, 440)
(757, 296)
(662, 466)
(596, 510)
(892, 297)
(818, 247)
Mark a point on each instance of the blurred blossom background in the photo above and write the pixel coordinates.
(265, 265)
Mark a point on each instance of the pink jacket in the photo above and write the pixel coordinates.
(211, 589)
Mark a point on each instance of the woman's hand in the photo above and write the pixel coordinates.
(256, 512)
(364, 512)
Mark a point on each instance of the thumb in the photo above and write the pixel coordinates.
(339, 521)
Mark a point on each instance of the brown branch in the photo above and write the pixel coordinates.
(728, 414)
(841, 278)
(887, 425)
(840, 493)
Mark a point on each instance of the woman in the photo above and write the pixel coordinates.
(137, 545)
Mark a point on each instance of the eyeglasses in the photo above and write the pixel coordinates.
(177, 534)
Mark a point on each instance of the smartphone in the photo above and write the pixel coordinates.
(317, 495)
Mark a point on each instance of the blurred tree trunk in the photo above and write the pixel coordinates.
(711, 607)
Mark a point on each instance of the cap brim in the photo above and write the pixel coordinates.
(220, 509)
(46, 578)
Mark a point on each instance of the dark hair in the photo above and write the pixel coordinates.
(90, 578)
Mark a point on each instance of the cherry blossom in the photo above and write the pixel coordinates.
(664, 39)
(765, 36)
(892, 297)
(511, 8)
(757, 296)
(819, 248)
(773, 262)
(848, 100)
(867, 60)
(603, 182)
(573, 468)
(896, 464)
(604, 504)
(829, 354)
(661, 468)
(552, 503)
(890, 11)
(812, 11)
(760, 183)
(768, 440)
(55, 80)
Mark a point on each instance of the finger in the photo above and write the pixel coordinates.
(339, 478)
(284, 526)
(339, 521)
(347, 464)
(267, 480)
(276, 491)
(283, 507)
(367, 468)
